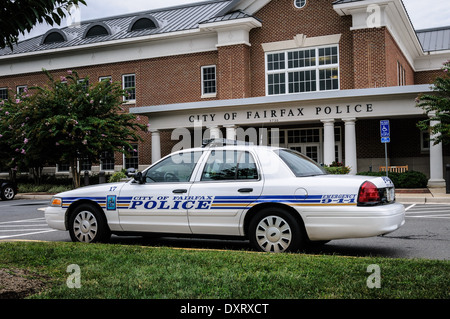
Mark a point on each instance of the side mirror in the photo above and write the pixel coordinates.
(138, 177)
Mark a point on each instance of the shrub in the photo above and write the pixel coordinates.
(409, 179)
(117, 176)
(337, 168)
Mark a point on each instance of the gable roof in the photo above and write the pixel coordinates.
(171, 19)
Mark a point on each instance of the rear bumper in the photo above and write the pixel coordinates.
(353, 222)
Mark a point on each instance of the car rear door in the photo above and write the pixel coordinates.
(227, 184)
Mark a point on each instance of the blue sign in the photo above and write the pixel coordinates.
(385, 140)
(384, 128)
(111, 202)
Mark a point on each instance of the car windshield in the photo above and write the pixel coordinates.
(299, 164)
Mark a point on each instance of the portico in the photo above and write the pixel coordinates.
(330, 119)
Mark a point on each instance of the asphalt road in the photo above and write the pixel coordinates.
(426, 233)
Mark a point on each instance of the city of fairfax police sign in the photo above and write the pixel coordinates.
(280, 114)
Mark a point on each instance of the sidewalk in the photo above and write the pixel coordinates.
(422, 196)
(404, 196)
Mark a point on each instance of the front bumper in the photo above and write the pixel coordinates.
(353, 222)
(56, 217)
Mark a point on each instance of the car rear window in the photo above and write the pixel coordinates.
(299, 164)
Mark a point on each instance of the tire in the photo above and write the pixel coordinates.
(275, 230)
(7, 193)
(88, 225)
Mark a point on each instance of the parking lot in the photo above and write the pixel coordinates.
(425, 234)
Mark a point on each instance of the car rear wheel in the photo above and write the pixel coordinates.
(7, 193)
(275, 230)
(88, 225)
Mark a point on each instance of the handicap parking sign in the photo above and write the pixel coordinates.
(384, 128)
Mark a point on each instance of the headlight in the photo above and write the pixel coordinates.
(56, 202)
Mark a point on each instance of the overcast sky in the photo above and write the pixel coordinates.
(423, 14)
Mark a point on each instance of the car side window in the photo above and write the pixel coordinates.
(229, 165)
(175, 168)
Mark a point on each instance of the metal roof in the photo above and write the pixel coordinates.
(172, 19)
(435, 39)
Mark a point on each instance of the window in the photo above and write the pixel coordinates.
(132, 157)
(299, 164)
(299, 3)
(401, 74)
(176, 168)
(85, 164)
(97, 30)
(54, 36)
(84, 84)
(306, 70)
(209, 80)
(107, 161)
(230, 165)
(21, 89)
(143, 23)
(3, 94)
(424, 141)
(63, 167)
(129, 84)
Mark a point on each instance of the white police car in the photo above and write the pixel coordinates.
(277, 198)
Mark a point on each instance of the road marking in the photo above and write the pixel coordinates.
(28, 234)
(409, 207)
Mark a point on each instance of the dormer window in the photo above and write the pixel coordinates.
(54, 36)
(97, 30)
(299, 3)
(143, 23)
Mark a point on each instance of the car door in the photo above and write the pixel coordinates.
(157, 203)
(226, 185)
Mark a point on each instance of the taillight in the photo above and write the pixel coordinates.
(369, 194)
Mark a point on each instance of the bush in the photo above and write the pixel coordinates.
(409, 179)
(117, 176)
(337, 168)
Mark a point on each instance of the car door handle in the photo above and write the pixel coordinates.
(179, 191)
(245, 190)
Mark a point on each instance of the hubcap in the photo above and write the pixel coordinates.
(85, 226)
(273, 234)
(8, 192)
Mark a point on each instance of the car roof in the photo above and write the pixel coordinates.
(224, 144)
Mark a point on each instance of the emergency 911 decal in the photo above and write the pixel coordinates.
(111, 202)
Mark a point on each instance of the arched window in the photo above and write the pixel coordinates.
(143, 23)
(299, 3)
(97, 30)
(54, 36)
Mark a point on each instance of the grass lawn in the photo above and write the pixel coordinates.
(110, 271)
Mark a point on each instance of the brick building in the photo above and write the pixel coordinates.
(313, 75)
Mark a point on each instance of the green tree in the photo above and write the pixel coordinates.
(437, 107)
(66, 121)
(20, 16)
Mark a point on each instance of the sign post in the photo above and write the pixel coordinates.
(385, 138)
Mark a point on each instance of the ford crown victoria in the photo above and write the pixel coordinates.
(277, 198)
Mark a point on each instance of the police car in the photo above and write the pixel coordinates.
(277, 198)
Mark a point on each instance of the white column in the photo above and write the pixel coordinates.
(350, 145)
(328, 142)
(156, 145)
(231, 132)
(436, 161)
(214, 132)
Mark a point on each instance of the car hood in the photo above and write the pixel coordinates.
(94, 190)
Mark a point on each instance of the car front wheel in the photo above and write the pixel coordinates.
(275, 230)
(7, 193)
(88, 225)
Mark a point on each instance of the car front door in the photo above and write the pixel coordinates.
(157, 203)
(225, 187)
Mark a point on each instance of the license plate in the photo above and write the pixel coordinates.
(390, 194)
